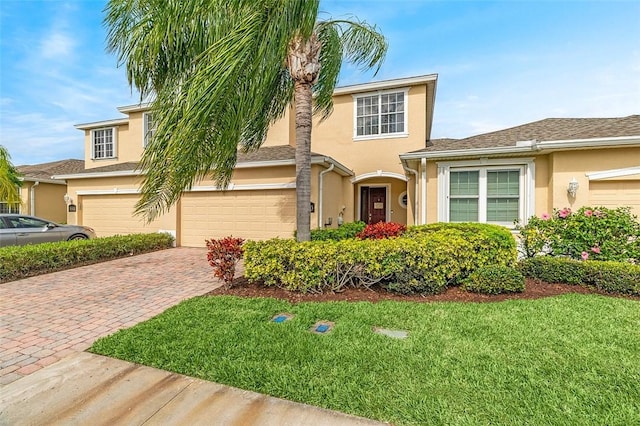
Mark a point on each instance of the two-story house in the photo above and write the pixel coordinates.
(356, 170)
(373, 160)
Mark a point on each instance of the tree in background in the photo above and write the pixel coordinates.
(9, 179)
(220, 72)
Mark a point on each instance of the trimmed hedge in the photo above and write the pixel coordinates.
(609, 276)
(422, 261)
(495, 280)
(18, 262)
(343, 232)
(489, 244)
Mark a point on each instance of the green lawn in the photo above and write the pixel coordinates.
(572, 359)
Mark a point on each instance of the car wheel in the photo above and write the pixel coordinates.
(78, 237)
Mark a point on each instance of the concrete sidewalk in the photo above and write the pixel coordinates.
(88, 389)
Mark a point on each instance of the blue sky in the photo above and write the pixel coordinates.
(500, 64)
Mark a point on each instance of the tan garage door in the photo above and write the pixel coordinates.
(113, 214)
(614, 194)
(256, 215)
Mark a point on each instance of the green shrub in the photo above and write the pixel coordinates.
(610, 276)
(425, 262)
(488, 244)
(24, 261)
(495, 279)
(343, 232)
(594, 233)
(553, 269)
(613, 277)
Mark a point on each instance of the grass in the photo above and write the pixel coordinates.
(572, 359)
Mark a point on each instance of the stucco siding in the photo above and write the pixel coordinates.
(575, 164)
(332, 200)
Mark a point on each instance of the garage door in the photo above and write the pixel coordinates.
(113, 214)
(614, 194)
(256, 215)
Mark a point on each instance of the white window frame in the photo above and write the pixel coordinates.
(114, 138)
(9, 208)
(145, 129)
(379, 93)
(525, 166)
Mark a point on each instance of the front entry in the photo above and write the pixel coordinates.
(373, 204)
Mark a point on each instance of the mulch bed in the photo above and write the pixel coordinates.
(534, 290)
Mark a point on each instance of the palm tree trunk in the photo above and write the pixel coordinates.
(303, 63)
(302, 94)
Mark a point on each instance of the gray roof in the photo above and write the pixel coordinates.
(549, 129)
(47, 170)
(267, 153)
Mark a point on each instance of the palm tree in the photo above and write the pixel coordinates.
(220, 72)
(9, 179)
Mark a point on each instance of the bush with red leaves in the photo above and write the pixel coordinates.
(223, 255)
(382, 230)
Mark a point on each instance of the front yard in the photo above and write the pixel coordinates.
(571, 359)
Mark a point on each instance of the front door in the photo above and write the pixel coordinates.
(373, 204)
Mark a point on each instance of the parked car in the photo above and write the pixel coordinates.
(18, 230)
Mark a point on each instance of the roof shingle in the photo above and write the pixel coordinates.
(549, 129)
(47, 170)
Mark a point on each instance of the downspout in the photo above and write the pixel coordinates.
(423, 167)
(320, 190)
(32, 199)
(415, 190)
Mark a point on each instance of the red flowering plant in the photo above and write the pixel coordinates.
(585, 234)
(382, 230)
(223, 255)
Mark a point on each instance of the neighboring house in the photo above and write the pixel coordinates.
(512, 174)
(372, 160)
(42, 195)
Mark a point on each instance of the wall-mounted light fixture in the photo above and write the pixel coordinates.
(67, 199)
(572, 189)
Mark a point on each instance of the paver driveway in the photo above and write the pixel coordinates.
(48, 317)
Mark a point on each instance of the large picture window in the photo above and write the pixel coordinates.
(381, 115)
(492, 194)
(103, 143)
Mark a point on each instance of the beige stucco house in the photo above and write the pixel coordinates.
(512, 174)
(40, 193)
(373, 159)
(356, 171)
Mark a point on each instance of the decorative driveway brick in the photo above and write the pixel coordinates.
(48, 317)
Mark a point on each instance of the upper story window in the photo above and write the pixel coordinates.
(150, 127)
(103, 143)
(381, 115)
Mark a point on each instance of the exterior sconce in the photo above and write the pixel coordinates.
(312, 207)
(67, 199)
(572, 189)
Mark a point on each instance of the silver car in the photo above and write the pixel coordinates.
(18, 230)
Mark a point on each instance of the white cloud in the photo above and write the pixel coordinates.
(58, 46)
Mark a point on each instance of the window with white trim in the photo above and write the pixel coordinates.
(103, 143)
(380, 115)
(499, 194)
(6, 208)
(150, 127)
